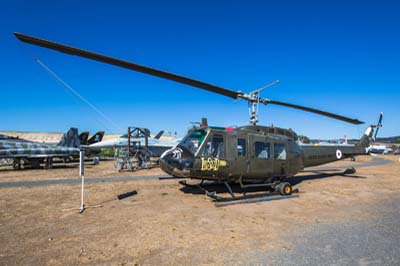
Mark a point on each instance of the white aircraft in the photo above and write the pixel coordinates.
(379, 149)
(156, 146)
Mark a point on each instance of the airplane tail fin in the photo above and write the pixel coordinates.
(70, 139)
(367, 137)
(158, 136)
(96, 137)
(83, 137)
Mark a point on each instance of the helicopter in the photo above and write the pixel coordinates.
(251, 155)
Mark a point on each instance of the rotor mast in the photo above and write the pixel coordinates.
(253, 98)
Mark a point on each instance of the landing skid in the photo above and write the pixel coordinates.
(283, 189)
(227, 203)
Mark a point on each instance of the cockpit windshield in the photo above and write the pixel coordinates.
(194, 140)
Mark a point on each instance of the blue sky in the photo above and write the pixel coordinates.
(339, 56)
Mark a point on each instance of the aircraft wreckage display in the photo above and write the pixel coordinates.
(25, 153)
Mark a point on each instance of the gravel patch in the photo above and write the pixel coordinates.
(375, 241)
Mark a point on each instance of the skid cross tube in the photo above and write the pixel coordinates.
(213, 194)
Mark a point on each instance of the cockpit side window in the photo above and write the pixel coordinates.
(194, 140)
(215, 147)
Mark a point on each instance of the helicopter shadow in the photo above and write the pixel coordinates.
(295, 180)
(210, 186)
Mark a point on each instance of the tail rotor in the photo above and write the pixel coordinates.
(378, 126)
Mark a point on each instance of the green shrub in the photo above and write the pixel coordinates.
(106, 153)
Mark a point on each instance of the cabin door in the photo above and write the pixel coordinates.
(241, 156)
(261, 159)
(280, 159)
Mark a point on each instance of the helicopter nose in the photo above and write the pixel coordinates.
(177, 161)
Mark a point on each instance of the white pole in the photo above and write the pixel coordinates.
(82, 175)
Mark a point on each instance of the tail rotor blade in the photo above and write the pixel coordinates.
(379, 125)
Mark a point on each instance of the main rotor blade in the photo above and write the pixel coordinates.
(331, 115)
(125, 64)
(162, 74)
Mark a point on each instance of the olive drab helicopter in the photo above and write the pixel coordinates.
(251, 155)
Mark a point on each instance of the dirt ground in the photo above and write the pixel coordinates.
(163, 225)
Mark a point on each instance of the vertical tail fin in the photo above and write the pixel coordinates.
(367, 137)
(83, 137)
(96, 137)
(70, 139)
(158, 136)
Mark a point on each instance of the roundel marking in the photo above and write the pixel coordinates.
(339, 154)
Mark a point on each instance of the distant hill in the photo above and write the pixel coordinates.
(391, 140)
(395, 139)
